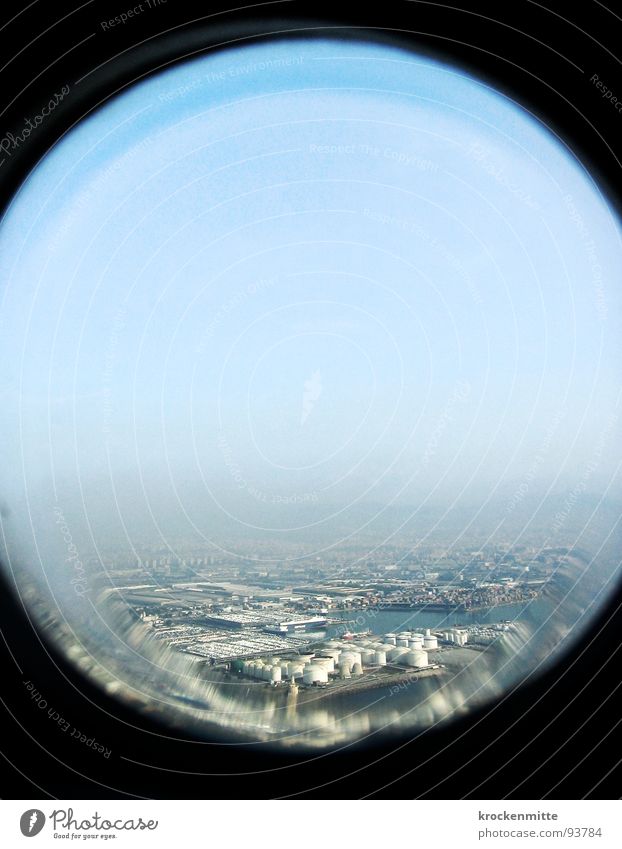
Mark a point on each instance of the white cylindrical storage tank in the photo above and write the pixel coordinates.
(402, 641)
(415, 644)
(396, 652)
(285, 670)
(322, 675)
(295, 670)
(357, 669)
(386, 647)
(314, 673)
(430, 642)
(345, 668)
(367, 657)
(267, 672)
(390, 638)
(380, 658)
(327, 662)
(332, 652)
(416, 658)
(351, 657)
(308, 674)
(275, 674)
(411, 658)
(417, 637)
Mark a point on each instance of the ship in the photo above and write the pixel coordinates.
(292, 626)
(349, 635)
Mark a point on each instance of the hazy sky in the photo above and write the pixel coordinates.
(321, 272)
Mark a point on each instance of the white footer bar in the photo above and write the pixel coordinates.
(308, 824)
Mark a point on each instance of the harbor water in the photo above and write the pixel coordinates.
(381, 621)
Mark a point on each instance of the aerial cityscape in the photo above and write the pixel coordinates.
(219, 610)
(342, 624)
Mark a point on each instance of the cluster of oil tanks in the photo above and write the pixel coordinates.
(486, 635)
(352, 656)
(311, 668)
(457, 636)
(414, 641)
(345, 658)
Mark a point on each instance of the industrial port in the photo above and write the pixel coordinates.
(366, 661)
(282, 647)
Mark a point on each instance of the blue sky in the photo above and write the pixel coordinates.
(414, 246)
